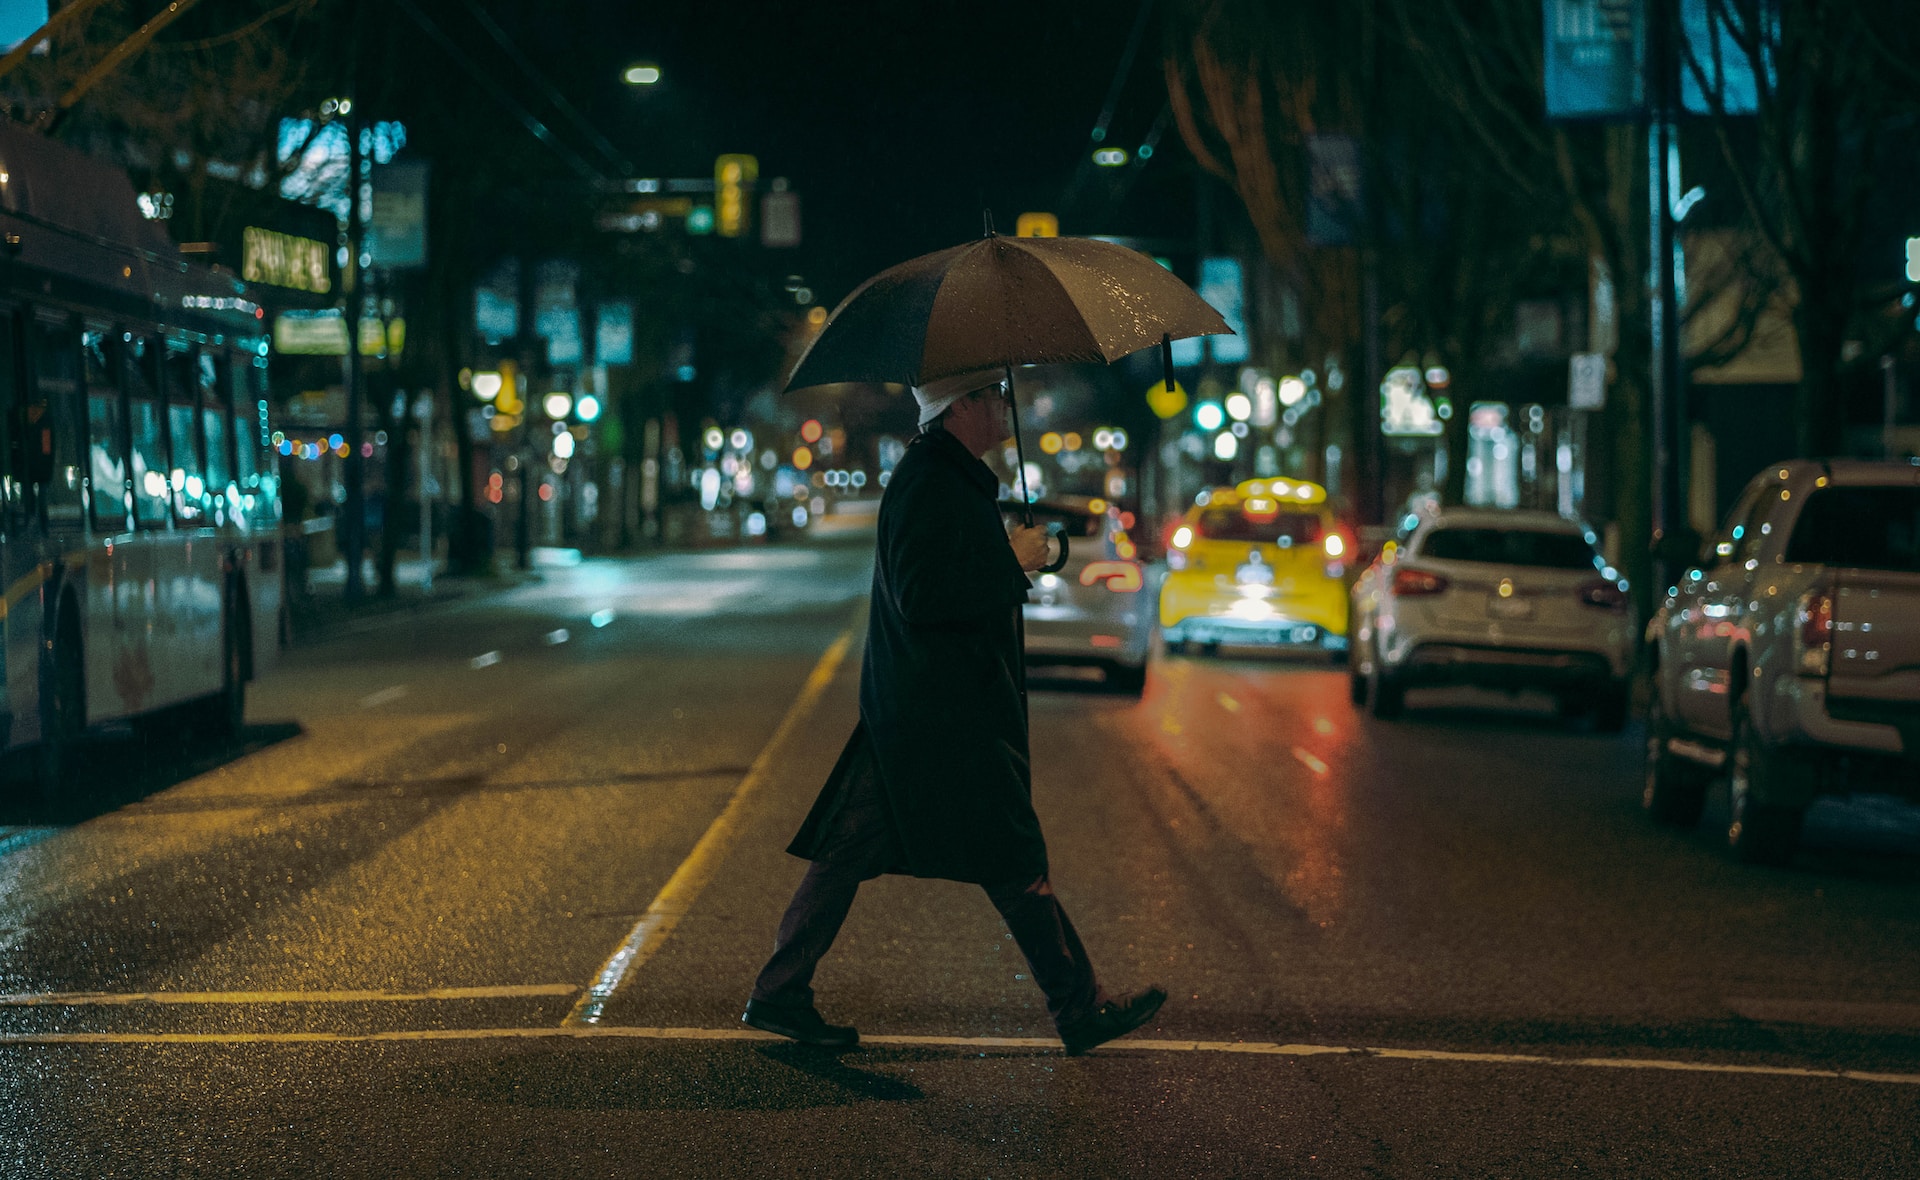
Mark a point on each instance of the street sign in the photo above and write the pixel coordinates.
(1335, 176)
(1587, 381)
(780, 220)
(1405, 409)
(1595, 58)
(284, 260)
(397, 232)
(1222, 287)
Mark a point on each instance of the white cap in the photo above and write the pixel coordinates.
(935, 396)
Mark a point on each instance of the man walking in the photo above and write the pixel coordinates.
(935, 780)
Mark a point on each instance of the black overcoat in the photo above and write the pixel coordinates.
(941, 704)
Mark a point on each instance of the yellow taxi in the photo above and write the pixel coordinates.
(1263, 563)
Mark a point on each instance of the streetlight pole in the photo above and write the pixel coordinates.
(353, 473)
(1666, 394)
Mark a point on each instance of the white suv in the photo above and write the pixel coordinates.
(1507, 600)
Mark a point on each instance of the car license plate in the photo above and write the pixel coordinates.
(1508, 608)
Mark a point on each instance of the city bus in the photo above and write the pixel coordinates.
(139, 501)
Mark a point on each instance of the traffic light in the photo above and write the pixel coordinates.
(734, 176)
(1037, 225)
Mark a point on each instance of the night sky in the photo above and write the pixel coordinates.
(897, 122)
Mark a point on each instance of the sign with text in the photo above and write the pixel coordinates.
(397, 231)
(324, 333)
(283, 260)
(1595, 58)
(1587, 381)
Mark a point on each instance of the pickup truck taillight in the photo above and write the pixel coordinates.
(1815, 618)
(1410, 583)
(1603, 594)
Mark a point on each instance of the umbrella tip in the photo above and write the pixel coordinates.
(986, 221)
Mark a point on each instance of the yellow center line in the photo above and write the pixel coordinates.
(1228, 703)
(683, 888)
(969, 1044)
(117, 999)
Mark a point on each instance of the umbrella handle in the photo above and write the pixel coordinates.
(1166, 360)
(1019, 453)
(1058, 532)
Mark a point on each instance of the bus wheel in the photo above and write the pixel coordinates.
(63, 717)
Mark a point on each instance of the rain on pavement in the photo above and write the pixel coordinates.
(351, 941)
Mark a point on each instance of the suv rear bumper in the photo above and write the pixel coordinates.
(1502, 667)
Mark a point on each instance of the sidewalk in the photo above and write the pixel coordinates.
(324, 610)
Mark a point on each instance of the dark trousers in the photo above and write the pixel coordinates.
(862, 845)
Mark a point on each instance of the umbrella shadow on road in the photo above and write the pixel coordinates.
(120, 767)
(664, 1076)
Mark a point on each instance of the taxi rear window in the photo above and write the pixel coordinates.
(1529, 547)
(1232, 524)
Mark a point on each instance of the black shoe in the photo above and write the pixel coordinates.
(1115, 1018)
(803, 1024)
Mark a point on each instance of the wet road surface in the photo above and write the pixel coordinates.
(366, 938)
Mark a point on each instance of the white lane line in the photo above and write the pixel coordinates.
(677, 896)
(558, 636)
(484, 660)
(1309, 761)
(383, 697)
(121, 999)
(1244, 1048)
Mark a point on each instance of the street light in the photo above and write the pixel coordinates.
(642, 74)
(558, 405)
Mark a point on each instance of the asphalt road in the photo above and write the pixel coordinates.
(365, 939)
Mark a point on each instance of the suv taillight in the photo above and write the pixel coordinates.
(1122, 577)
(1409, 583)
(1603, 594)
(1815, 618)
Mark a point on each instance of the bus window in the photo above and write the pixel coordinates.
(214, 417)
(56, 363)
(188, 475)
(152, 497)
(106, 432)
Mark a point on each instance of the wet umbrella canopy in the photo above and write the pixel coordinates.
(1003, 302)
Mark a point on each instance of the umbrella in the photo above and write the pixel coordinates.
(1005, 302)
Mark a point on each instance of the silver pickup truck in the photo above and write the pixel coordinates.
(1788, 657)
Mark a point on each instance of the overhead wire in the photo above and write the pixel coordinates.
(554, 95)
(527, 118)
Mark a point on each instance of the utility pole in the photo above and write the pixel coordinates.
(353, 474)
